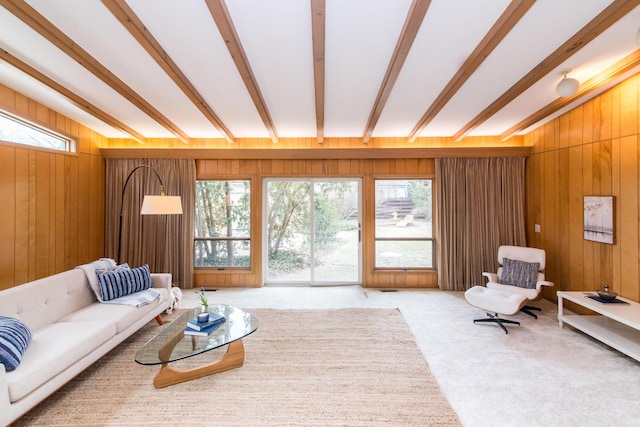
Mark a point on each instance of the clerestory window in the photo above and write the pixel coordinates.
(13, 129)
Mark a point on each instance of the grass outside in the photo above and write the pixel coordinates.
(338, 262)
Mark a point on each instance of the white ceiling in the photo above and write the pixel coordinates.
(277, 38)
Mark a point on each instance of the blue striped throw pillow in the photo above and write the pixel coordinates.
(15, 336)
(115, 284)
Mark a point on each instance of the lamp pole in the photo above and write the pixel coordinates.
(124, 187)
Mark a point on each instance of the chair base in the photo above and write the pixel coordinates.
(494, 318)
(527, 309)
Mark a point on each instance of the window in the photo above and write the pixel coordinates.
(403, 226)
(15, 130)
(222, 226)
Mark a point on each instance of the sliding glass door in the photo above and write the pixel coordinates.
(312, 231)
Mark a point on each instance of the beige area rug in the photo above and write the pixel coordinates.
(342, 367)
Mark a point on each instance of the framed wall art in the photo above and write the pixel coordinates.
(598, 219)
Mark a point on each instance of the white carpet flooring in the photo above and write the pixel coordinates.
(537, 375)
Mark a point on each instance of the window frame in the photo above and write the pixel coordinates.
(248, 238)
(431, 239)
(70, 143)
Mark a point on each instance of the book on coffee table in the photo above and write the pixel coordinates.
(202, 332)
(214, 319)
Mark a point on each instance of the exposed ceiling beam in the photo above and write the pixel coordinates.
(71, 96)
(46, 29)
(412, 24)
(318, 20)
(221, 16)
(609, 16)
(509, 18)
(128, 18)
(625, 65)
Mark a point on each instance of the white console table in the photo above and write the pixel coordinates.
(617, 325)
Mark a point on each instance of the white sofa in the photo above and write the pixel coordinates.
(70, 331)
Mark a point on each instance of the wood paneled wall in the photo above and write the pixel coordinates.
(306, 143)
(367, 169)
(590, 151)
(52, 210)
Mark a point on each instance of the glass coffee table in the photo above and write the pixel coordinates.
(171, 344)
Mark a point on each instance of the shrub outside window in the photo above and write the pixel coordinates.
(403, 225)
(222, 224)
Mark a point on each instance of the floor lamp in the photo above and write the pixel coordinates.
(151, 205)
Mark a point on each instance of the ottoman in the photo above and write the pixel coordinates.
(497, 302)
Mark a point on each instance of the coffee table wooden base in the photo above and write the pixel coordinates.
(233, 358)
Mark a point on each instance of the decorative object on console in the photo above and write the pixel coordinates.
(598, 219)
(151, 205)
(606, 294)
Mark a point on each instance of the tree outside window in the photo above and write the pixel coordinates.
(222, 224)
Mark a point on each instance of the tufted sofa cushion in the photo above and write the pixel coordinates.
(55, 348)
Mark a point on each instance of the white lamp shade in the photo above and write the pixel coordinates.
(567, 87)
(161, 205)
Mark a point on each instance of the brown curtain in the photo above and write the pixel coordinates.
(480, 205)
(164, 242)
